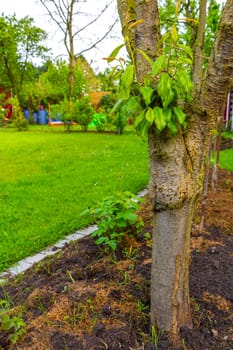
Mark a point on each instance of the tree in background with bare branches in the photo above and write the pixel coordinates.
(77, 21)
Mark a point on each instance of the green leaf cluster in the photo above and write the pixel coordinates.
(114, 217)
(159, 100)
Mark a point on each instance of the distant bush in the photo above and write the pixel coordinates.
(83, 112)
(18, 118)
(100, 121)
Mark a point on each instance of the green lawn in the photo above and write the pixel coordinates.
(48, 178)
(226, 156)
(227, 135)
(226, 159)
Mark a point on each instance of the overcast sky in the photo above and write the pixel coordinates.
(34, 9)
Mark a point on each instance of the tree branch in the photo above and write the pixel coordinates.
(98, 41)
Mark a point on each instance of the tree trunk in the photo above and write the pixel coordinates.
(72, 60)
(173, 192)
(127, 14)
(147, 37)
(71, 75)
(177, 167)
(170, 306)
(199, 45)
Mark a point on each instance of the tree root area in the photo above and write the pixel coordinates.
(80, 299)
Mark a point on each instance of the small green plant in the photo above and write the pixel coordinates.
(148, 239)
(77, 313)
(130, 253)
(100, 121)
(141, 307)
(126, 277)
(147, 236)
(114, 218)
(184, 345)
(14, 325)
(155, 336)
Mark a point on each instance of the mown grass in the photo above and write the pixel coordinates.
(48, 178)
(227, 135)
(226, 159)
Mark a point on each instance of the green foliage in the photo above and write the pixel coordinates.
(14, 325)
(66, 108)
(115, 216)
(83, 112)
(212, 25)
(17, 117)
(99, 121)
(107, 102)
(159, 99)
(2, 115)
(20, 42)
(185, 17)
(160, 106)
(155, 336)
(126, 82)
(3, 110)
(117, 117)
(55, 111)
(130, 253)
(54, 81)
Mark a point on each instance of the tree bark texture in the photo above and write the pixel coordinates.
(173, 193)
(70, 11)
(177, 167)
(147, 36)
(199, 45)
(127, 14)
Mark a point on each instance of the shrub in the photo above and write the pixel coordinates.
(18, 118)
(99, 121)
(107, 102)
(83, 112)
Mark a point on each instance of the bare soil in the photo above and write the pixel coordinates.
(82, 300)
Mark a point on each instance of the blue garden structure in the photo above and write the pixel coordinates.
(42, 116)
(26, 113)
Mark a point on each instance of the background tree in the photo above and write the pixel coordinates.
(53, 83)
(178, 144)
(67, 15)
(20, 42)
